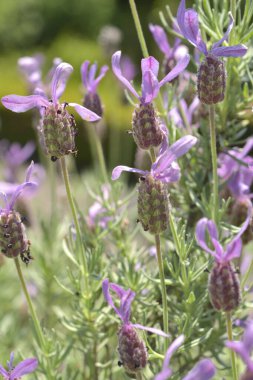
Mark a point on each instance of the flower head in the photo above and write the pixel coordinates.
(165, 168)
(244, 348)
(232, 249)
(18, 103)
(23, 368)
(150, 84)
(203, 370)
(189, 26)
(236, 169)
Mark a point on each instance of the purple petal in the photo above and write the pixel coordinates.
(225, 37)
(164, 374)
(150, 329)
(116, 173)
(203, 370)
(247, 148)
(180, 66)
(165, 141)
(150, 64)
(23, 368)
(150, 87)
(201, 228)
(19, 190)
(160, 38)
(84, 73)
(233, 251)
(18, 103)
(107, 295)
(172, 348)
(59, 80)
(16, 154)
(29, 171)
(240, 349)
(3, 372)
(117, 71)
(230, 51)
(125, 305)
(102, 73)
(248, 336)
(85, 113)
(169, 175)
(178, 149)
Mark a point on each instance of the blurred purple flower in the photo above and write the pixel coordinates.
(98, 214)
(244, 348)
(23, 368)
(11, 192)
(237, 172)
(232, 249)
(88, 76)
(175, 53)
(13, 156)
(185, 120)
(31, 68)
(126, 298)
(203, 370)
(189, 26)
(18, 103)
(128, 68)
(150, 84)
(165, 168)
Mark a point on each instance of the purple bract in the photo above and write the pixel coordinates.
(23, 368)
(88, 76)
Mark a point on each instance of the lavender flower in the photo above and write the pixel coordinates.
(244, 349)
(13, 240)
(147, 131)
(203, 370)
(132, 351)
(153, 208)
(185, 120)
(211, 75)
(23, 368)
(98, 214)
(31, 68)
(224, 288)
(14, 155)
(172, 54)
(92, 99)
(57, 127)
(236, 169)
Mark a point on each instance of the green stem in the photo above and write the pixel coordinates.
(139, 28)
(232, 354)
(76, 222)
(139, 376)
(99, 150)
(214, 162)
(163, 289)
(37, 326)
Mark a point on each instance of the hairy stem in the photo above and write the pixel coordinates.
(232, 354)
(163, 289)
(214, 162)
(76, 222)
(37, 326)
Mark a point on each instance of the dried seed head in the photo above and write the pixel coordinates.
(132, 350)
(238, 214)
(153, 208)
(224, 287)
(13, 239)
(248, 375)
(211, 80)
(93, 103)
(57, 131)
(147, 132)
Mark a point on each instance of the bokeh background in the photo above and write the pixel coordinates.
(73, 30)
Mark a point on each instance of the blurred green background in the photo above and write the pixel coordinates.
(70, 30)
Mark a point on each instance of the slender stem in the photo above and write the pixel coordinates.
(76, 222)
(139, 28)
(232, 354)
(99, 151)
(163, 289)
(37, 326)
(214, 162)
(139, 376)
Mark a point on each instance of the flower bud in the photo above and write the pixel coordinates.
(153, 208)
(132, 351)
(93, 103)
(13, 239)
(57, 131)
(211, 80)
(147, 132)
(224, 287)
